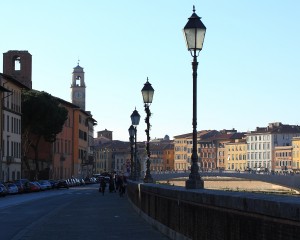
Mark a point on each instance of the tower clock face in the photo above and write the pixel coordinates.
(78, 95)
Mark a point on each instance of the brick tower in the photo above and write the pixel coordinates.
(18, 64)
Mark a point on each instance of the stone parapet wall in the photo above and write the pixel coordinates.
(212, 215)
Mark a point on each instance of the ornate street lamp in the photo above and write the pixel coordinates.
(131, 140)
(135, 120)
(148, 93)
(194, 32)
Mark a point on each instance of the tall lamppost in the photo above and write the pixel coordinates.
(194, 32)
(135, 120)
(148, 93)
(131, 140)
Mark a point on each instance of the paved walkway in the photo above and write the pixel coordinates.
(90, 215)
(120, 221)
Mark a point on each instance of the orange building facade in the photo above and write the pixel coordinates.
(283, 159)
(63, 147)
(71, 156)
(168, 156)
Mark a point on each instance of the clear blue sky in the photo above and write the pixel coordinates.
(249, 68)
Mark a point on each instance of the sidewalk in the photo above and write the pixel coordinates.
(127, 223)
(93, 216)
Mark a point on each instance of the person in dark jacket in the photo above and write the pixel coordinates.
(111, 185)
(102, 186)
(118, 183)
(123, 185)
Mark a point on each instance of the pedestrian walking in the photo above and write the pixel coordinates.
(123, 185)
(111, 185)
(120, 185)
(102, 186)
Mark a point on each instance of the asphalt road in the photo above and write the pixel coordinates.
(76, 213)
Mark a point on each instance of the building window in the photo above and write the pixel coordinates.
(7, 147)
(7, 122)
(58, 148)
(12, 124)
(17, 63)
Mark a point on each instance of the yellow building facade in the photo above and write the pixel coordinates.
(296, 154)
(236, 153)
(183, 147)
(181, 152)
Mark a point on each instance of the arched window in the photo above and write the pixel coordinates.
(17, 63)
(78, 81)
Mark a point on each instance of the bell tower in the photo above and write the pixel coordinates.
(78, 87)
(18, 64)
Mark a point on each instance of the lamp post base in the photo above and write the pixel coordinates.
(194, 184)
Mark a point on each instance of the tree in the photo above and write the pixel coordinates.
(42, 118)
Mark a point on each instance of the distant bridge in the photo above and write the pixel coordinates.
(289, 181)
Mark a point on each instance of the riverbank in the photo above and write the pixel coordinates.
(236, 184)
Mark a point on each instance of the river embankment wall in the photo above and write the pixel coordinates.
(212, 214)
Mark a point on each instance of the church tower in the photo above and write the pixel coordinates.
(78, 87)
(18, 64)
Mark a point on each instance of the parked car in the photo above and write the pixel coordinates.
(62, 184)
(11, 188)
(70, 182)
(33, 187)
(81, 181)
(39, 185)
(53, 183)
(93, 180)
(45, 184)
(87, 180)
(22, 180)
(3, 190)
(77, 182)
(22, 185)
